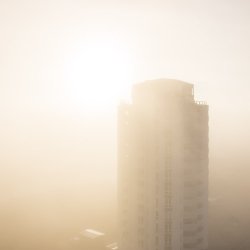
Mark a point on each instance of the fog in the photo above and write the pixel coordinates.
(52, 182)
(58, 161)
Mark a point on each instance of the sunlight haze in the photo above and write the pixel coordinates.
(65, 66)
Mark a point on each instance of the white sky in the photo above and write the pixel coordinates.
(202, 42)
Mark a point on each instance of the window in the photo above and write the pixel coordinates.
(140, 220)
(188, 233)
(200, 240)
(188, 220)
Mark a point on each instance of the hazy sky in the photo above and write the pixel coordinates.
(202, 42)
(58, 148)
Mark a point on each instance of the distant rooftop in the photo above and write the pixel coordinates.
(112, 246)
(91, 233)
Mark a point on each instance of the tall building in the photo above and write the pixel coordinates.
(163, 168)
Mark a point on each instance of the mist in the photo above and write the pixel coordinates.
(58, 159)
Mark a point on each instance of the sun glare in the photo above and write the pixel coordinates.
(99, 74)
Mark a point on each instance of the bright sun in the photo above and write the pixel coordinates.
(99, 74)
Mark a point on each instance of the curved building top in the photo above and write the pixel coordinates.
(162, 88)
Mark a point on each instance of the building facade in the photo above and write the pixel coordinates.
(163, 168)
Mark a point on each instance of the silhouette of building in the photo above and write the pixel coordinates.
(163, 168)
